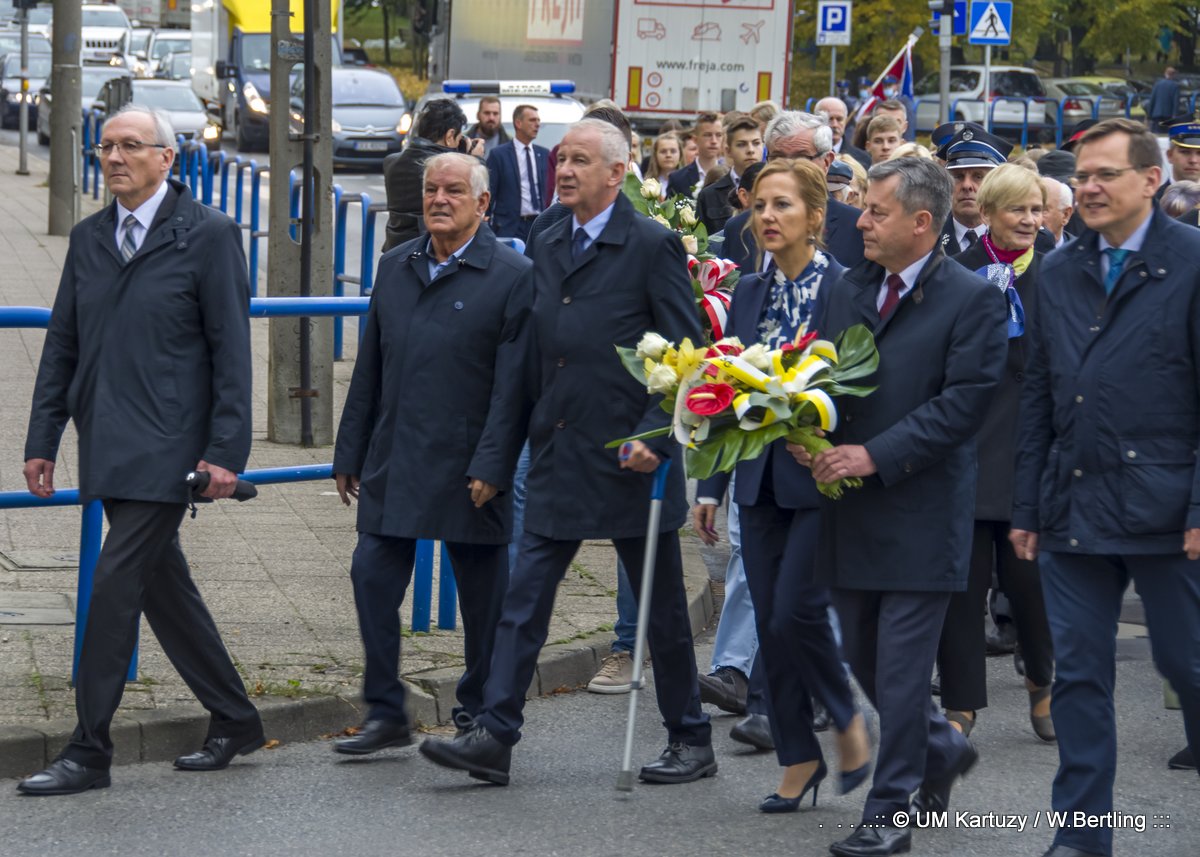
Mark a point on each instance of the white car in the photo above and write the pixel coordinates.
(165, 42)
(557, 110)
(106, 32)
(966, 88)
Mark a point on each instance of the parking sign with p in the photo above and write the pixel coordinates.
(833, 22)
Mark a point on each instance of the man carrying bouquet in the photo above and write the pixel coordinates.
(894, 549)
(603, 276)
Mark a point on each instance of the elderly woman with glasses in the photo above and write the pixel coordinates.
(1011, 201)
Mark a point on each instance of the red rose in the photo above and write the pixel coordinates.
(709, 399)
(806, 339)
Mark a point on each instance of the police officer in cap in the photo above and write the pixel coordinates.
(1183, 153)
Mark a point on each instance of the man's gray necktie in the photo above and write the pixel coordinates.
(129, 242)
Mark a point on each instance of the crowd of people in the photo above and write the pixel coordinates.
(1033, 433)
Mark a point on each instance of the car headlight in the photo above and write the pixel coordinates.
(404, 124)
(253, 99)
(336, 125)
(212, 132)
(14, 97)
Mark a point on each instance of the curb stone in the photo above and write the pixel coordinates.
(162, 734)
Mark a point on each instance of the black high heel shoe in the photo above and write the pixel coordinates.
(775, 803)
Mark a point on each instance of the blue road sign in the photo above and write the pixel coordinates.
(960, 18)
(991, 22)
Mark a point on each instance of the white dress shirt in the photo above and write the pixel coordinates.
(960, 232)
(909, 275)
(145, 214)
(527, 205)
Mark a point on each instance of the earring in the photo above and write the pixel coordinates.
(812, 240)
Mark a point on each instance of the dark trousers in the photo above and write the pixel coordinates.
(963, 651)
(142, 569)
(795, 640)
(1083, 603)
(525, 622)
(890, 639)
(381, 570)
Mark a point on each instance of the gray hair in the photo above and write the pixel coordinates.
(1066, 197)
(614, 146)
(925, 185)
(1180, 197)
(164, 134)
(789, 123)
(477, 175)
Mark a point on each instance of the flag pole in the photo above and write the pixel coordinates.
(912, 40)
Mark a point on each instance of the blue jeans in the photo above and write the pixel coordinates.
(627, 612)
(736, 641)
(518, 498)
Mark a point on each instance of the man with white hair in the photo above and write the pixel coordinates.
(593, 289)
(455, 303)
(793, 134)
(148, 352)
(835, 111)
(1060, 205)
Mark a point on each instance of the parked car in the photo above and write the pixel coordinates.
(967, 97)
(182, 106)
(10, 43)
(370, 115)
(92, 79)
(1136, 91)
(1081, 99)
(10, 86)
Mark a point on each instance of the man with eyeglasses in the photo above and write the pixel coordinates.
(148, 352)
(793, 134)
(1107, 490)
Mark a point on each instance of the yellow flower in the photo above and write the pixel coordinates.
(689, 359)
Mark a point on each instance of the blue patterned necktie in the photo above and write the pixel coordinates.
(579, 243)
(129, 242)
(1116, 262)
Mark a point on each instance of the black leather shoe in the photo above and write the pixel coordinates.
(726, 689)
(1064, 851)
(463, 723)
(477, 752)
(64, 777)
(1182, 761)
(374, 735)
(217, 753)
(870, 841)
(680, 763)
(934, 795)
(755, 730)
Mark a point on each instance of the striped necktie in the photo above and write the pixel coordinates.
(129, 242)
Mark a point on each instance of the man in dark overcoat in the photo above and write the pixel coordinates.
(894, 549)
(148, 352)
(1107, 488)
(430, 434)
(602, 277)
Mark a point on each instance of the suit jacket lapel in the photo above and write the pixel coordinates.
(106, 232)
(162, 230)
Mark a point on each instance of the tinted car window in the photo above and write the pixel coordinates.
(167, 97)
(963, 81)
(162, 47)
(104, 18)
(1017, 83)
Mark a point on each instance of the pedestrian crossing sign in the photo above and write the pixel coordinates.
(991, 22)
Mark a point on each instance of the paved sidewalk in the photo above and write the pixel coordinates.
(274, 571)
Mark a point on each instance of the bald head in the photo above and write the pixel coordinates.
(835, 109)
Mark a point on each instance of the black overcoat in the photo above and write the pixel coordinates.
(439, 393)
(151, 357)
(631, 280)
(998, 438)
(941, 355)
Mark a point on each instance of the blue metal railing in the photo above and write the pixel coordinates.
(92, 517)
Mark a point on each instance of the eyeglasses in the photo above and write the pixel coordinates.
(793, 156)
(1101, 177)
(127, 147)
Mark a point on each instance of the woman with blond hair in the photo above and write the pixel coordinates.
(778, 501)
(1011, 200)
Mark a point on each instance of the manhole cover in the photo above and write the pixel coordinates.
(26, 560)
(35, 608)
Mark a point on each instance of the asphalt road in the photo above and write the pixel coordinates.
(304, 800)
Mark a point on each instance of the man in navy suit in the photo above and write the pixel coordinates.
(710, 137)
(517, 172)
(605, 275)
(793, 134)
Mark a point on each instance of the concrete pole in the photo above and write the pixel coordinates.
(65, 123)
(286, 422)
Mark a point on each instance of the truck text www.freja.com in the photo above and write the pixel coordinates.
(698, 65)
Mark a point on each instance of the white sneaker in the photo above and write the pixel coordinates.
(615, 674)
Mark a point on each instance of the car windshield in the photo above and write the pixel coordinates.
(1017, 83)
(39, 66)
(1079, 87)
(179, 98)
(40, 15)
(366, 89)
(113, 17)
(256, 51)
(93, 79)
(162, 47)
(180, 65)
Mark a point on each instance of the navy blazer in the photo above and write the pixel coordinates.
(792, 484)
(843, 241)
(683, 180)
(504, 179)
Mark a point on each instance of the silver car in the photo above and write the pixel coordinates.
(182, 106)
(92, 80)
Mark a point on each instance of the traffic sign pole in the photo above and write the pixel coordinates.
(833, 70)
(987, 88)
(833, 29)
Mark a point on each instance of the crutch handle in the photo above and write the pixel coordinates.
(660, 474)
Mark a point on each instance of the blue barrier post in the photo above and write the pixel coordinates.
(89, 555)
(339, 262)
(85, 152)
(226, 165)
(991, 123)
(255, 233)
(240, 187)
(293, 204)
(214, 162)
(447, 593)
(366, 278)
(422, 585)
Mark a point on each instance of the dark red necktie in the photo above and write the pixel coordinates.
(894, 286)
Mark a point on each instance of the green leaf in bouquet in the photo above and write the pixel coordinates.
(857, 354)
(646, 435)
(634, 365)
(633, 191)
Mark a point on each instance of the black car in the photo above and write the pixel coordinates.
(10, 86)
